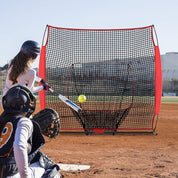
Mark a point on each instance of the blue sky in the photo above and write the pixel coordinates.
(22, 20)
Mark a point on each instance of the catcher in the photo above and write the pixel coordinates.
(21, 137)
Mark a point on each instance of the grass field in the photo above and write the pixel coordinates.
(169, 99)
(166, 99)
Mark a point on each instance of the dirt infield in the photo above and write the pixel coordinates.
(123, 155)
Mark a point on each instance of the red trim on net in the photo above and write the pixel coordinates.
(42, 74)
(122, 129)
(158, 81)
(49, 26)
(98, 130)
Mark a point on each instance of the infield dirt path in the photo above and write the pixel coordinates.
(122, 155)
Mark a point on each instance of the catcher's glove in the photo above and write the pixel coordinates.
(49, 122)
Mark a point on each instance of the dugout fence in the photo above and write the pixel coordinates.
(119, 71)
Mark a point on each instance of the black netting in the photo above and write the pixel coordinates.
(114, 69)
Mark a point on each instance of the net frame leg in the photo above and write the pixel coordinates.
(154, 130)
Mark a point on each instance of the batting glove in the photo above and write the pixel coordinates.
(45, 85)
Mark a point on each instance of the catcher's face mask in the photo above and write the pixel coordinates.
(19, 99)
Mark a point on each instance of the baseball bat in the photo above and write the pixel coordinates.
(62, 98)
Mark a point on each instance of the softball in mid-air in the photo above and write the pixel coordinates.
(82, 98)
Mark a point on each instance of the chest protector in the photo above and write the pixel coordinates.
(7, 161)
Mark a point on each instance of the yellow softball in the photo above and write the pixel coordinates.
(82, 98)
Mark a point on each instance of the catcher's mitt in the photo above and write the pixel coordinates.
(49, 122)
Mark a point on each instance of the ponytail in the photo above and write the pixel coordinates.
(18, 66)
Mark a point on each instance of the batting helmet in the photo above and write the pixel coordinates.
(30, 48)
(19, 99)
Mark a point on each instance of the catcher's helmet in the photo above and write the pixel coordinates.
(30, 48)
(19, 99)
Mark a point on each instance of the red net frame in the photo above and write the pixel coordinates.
(156, 87)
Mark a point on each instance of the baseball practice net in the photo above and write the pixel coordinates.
(118, 70)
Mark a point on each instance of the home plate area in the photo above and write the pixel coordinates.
(73, 167)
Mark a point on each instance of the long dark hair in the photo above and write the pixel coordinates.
(18, 66)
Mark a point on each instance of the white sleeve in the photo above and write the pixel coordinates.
(23, 132)
(31, 82)
(36, 89)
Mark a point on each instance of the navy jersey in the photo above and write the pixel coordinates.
(7, 161)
